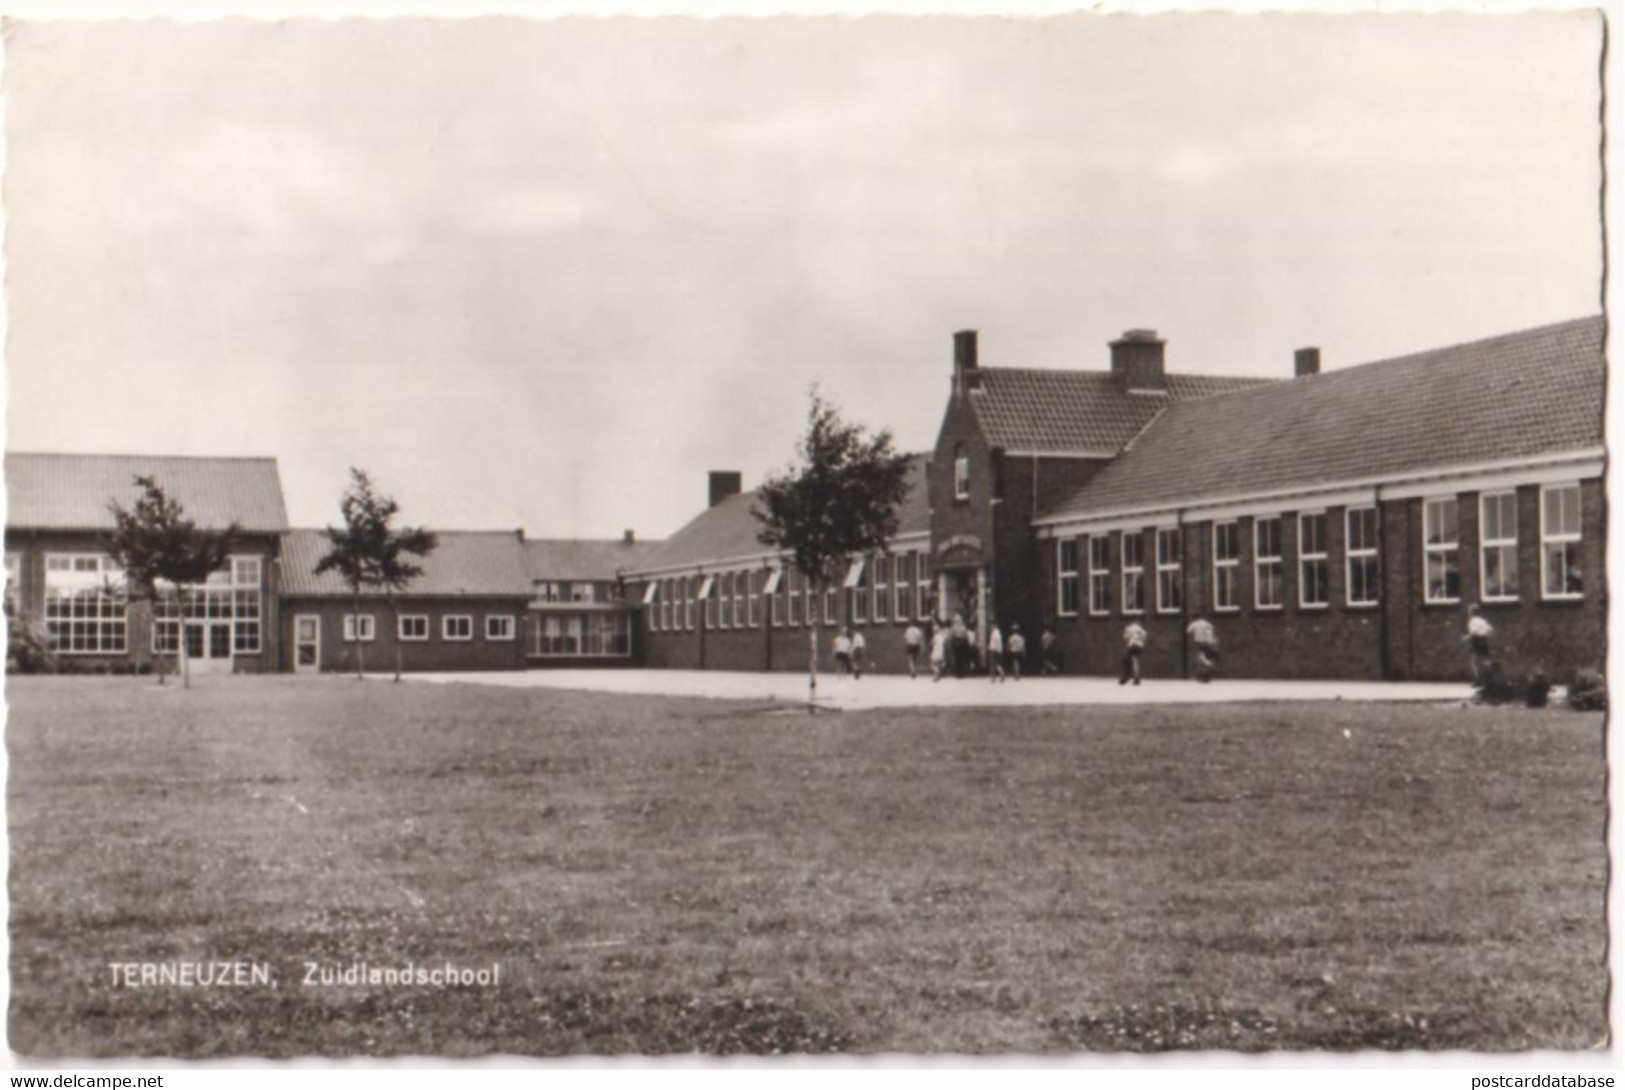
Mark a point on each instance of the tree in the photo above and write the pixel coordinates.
(838, 500)
(371, 554)
(154, 541)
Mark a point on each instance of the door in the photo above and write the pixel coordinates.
(307, 643)
(208, 646)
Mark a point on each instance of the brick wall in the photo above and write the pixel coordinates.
(435, 653)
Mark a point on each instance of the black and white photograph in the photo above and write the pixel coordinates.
(808, 538)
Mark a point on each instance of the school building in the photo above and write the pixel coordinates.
(1335, 524)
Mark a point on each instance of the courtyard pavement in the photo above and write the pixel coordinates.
(894, 691)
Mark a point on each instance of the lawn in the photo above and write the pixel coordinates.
(657, 875)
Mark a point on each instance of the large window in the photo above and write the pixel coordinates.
(592, 635)
(739, 585)
(1267, 574)
(1314, 565)
(881, 566)
(1439, 547)
(231, 594)
(685, 603)
(1066, 566)
(1498, 546)
(1560, 534)
(923, 593)
(1133, 571)
(1226, 567)
(1363, 575)
(860, 595)
(753, 588)
(667, 589)
(84, 604)
(1100, 575)
(902, 581)
(1168, 581)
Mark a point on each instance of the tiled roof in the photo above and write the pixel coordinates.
(1515, 396)
(1077, 411)
(466, 563)
(585, 559)
(728, 530)
(72, 491)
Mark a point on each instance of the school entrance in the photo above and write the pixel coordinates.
(962, 585)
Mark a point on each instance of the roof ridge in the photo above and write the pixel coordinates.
(164, 457)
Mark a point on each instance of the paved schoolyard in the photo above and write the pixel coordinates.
(893, 691)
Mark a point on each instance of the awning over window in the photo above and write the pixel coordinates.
(649, 592)
(705, 589)
(854, 574)
(772, 584)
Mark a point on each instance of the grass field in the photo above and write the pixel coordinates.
(656, 875)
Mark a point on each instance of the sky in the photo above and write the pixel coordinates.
(547, 273)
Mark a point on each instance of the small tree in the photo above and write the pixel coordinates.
(837, 500)
(370, 554)
(154, 541)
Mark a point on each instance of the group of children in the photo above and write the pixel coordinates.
(1203, 638)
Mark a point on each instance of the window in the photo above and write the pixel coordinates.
(737, 586)
(1168, 582)
(594, 635)
(961, 475)
(793, 583)
(860, 594)
(1066, 567)
(1314, 569)
(923, 594)
(1226, 567)
(775, 594)
(1267, 575)
(684, 606)
(832, 605)
(725, 593)
(84, 604)
(1362, 556)
(359, 627)
(499, 627)
(1133, 572)
(652, 606)
(881, 566)
(1560, 533)
(902, 583)
(549, 592)
(413, 628)
(752, 585)
(1100, 574)
(583, 592)
(1498, 546)
(245, 571)
(1439, 542)
(457, 627)
(667, 586)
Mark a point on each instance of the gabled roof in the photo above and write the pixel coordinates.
(1515, 396)
(727, 531)
(1077, 412)
(72, 491)
(465, 564)
(584, 559)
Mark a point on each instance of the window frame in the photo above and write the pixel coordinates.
(1323, 558)
(1450, 549)
(880, 586)
(401, 623)
(1229, 565)
(352, 630)
(902, 586)
(1500, 543)
(961, 477)
(446, 622)
(1100, 576)
(1065, 577)
(1565, 538)
(510, 627)
(1174, 568)
(1136, 570)
(1275, 560)
(1364, 553)
(924, 579)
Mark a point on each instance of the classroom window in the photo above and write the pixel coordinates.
(860, 596)
(902, 581)
(737, 585)
(457, 627)
(923, 594)
(1560, 534)
(1498, 547)
(1362, 556)
(1442, 571)
(1133, 550)
(652, 608)
(1066, 567)
(1226, 567)
(84, 604)
(881, 566)
(499, 627)
(1267, 574)
(592, 635)
(1314, 571)
(359, 627)
(413, 628)
(753, 588)
(1168, 575)
(1100, 575)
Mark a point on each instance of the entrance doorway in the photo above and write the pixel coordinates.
(208, 646)
(307, 643)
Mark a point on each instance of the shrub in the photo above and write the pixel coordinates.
(1538, 690)
(1588, 693)
(28, 650)
(1496, 688)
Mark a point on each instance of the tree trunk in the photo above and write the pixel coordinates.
(360, 675)
(812, 657)
(158, 656)
(186, 659)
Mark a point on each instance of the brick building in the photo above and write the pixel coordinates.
(577, 614)
(60, 580)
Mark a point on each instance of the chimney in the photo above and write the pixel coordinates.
(967, 376)
(628, 538)
(1137, 360)
(1306, 361)
(724, 483)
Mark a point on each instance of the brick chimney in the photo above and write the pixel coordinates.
(1137, 361)
(1306, 361)
(628, 537)
(967, 376)
(725, 483)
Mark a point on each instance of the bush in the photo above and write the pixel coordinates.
(1496, 688)
(1539, 689)
(28, 650)
(1588, 693)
